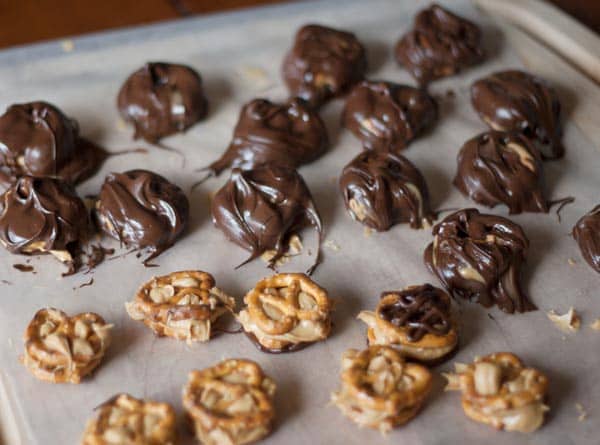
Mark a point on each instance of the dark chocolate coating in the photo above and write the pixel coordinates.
(388, 188)
(323, 63)
(38, 139)
(479, 257)
(440, 44)
(41, 214)
(517, 101)
(386, 115)
(260, 209)
(292, 347)
(502, 168)
(142, 210)
(587, 234)
(160, 99)
(421, 309)
(289, 134)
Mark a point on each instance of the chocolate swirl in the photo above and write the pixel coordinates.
(160, 99)
(479, 257)
(587, 234)
(421, 310)
(440, 44)
(40, 215)
(142, 210)
(38, 139)
(323, 63)
(502, 168)
(381, 189)
(289, 134)
(260, 209)
(517, 101)
(386, 115)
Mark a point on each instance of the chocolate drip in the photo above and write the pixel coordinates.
(381, 189)
(41, 214)
(260, 209)
(479, 257)
(421, 309)
(324, 63)
(161, 98)
(587, 234)
(502, 168)
(289, 134)
(517, 101)
(386, 115)
(142, 210)
(38, 139)
(440, 44)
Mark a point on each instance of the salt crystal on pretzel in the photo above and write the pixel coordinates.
(60, 349)
(500, 391)
(183, 305)
(380, 389)
(230, 403)
(286, 312)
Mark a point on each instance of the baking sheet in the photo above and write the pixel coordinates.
(239, 55)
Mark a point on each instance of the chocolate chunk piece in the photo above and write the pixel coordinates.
(440, 44)
(160, 99)
(289, 134)
(479, 257)
(260, 209)
(587, 234)
(42, 215)
(38, 139)
(517, 101)
(502, 168)
(142, 210)
(386, 115)
(381, 189)
(323, 63)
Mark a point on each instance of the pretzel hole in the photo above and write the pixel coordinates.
(306, 302)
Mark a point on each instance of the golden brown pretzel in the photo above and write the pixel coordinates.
(286, 311)
(125, 420)
(182, 305)
(499, 390)
(230, 403)
(380, 389)
(59, 348)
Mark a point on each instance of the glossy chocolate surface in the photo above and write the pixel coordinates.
(386, 115)
(38, 139)
(260, 209)
(587, 234)
(421, 310)
(323, 63)
(41, 214)
(289, 134)
(479, 257)
(161, 99)
(142, 210)
(381, 189)
(440, 44)
(517, 101)
(502, 168)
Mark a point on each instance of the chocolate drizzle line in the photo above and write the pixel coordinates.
(421, 309)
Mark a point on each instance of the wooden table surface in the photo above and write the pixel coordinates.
(27, 21)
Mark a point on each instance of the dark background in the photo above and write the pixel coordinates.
(27, 21)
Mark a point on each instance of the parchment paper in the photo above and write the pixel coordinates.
(239, 56)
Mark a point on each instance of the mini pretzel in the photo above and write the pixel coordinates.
(59, 348)
(416, 321)
(380, 389)
(125, 420)
(499, 390)
(230, 403)
(182, 305)
(286, 312)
